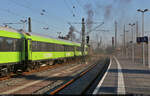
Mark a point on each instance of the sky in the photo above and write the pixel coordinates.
(56, 14)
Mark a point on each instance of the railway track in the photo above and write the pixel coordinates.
(27, 73)
(43, 81)
(63, 89)
(71, 81)
(43, 68)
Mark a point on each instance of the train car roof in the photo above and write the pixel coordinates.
(55, 39)
(10, 32)
(13, 33)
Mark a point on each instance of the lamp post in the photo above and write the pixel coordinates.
(143, 51)
(126, 42)
(122, 46)
(132, 25)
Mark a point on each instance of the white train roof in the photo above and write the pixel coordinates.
(41, 35)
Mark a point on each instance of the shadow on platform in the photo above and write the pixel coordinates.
(108, 90)
(132, 71)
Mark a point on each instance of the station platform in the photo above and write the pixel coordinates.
(123, 77)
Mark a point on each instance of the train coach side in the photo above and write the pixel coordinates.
(11, 49)
(43, 48)
(20, 50)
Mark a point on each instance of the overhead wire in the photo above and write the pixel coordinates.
(31, 9)
(20, 16)
(68, 7)
(79, 4)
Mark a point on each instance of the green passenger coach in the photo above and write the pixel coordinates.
(22, 51)
(11, 49)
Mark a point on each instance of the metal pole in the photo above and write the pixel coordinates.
(115, 34)
(132, 25)
(136, 45)
(132, 45)
(24, 26)
(127, 51)
(149, 52)
(137, 33)
(29, 24)
(143, 50)
(83, 40)
(124, 41)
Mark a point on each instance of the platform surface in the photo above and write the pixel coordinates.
(124, 77)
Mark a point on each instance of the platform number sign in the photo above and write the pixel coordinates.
(142, 39)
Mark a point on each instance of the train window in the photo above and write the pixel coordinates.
(44, 47)
(34, 45)
(72, 48)
(1, 40)
(10, 44)
(56, 47)
(1, 43)
(14, 45)
(62, 48)
(68, 48)
(18, 44)
(50, 47)
(79, 49)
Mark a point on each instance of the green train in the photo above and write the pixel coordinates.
(24, 51)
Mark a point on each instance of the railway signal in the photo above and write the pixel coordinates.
(113, 42)
(87, 39)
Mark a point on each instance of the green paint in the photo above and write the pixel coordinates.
(51, 55)
(10, 34)
(8, 57)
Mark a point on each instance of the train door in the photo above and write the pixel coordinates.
(28, 52)
(74, 48)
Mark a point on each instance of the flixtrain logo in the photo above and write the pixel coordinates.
(80, 53)
(68, 54)
(48, 55)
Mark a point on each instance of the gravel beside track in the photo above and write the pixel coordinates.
(41, 82)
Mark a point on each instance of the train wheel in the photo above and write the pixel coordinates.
(4, 72)
(51, 62)
(29, 67)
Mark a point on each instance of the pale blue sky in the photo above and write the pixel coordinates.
(60, 12)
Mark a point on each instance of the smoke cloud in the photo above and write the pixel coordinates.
(71, 35)
(89, 19)
(118, 8)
